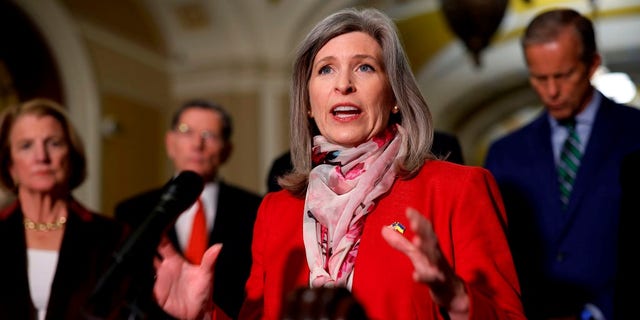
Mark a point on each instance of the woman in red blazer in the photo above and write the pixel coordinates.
(367, 206)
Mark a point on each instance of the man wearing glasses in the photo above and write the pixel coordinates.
(199, 140)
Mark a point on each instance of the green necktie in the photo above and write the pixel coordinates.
(569, 161)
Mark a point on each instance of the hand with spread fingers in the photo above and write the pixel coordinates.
(182, 288)
(431, 268)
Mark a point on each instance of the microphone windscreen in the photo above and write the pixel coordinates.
(177, 196)
(183, 190)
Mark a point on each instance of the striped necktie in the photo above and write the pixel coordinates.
(569, 161)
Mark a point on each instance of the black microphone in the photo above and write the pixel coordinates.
(178, 195)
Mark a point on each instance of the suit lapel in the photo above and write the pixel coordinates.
(541, 148)
(218, 232)
(14, 285)
(599, 148)
(543, 169)
(597, 151)
(72, 265)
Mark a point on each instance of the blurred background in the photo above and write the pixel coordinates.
(122, 67)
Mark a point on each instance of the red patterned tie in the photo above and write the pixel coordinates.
(199, 237)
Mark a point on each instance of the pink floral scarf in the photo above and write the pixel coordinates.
(342, 189)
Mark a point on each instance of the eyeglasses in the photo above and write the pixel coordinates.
(183, 130)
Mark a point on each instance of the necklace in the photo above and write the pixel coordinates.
(44, 226)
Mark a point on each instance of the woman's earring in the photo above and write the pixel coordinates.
(395, 110)
(309, 113)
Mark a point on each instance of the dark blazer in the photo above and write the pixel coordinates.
(565, 259)
(628, 277)
(235, 215)
(85, 253)
(445, 145)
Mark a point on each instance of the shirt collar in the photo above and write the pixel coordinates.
(587, 116)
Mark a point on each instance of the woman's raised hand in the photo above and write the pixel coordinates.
(430, 266)
(184, 290)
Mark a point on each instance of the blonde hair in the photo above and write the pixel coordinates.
(41, 107)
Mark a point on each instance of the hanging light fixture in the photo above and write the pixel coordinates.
(474, 22)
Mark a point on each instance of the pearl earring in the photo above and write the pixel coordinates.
(395, 110)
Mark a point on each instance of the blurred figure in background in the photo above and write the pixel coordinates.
(54, 249)
(199, 140)
(559, 175)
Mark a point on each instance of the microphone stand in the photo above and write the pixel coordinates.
(134, 260)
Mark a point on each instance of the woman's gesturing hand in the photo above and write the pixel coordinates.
(430, 267)
(182, 289)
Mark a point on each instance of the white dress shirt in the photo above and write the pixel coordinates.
(42, 266)
(209, 198)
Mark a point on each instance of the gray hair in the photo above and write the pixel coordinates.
(414, 114)
(547, 26)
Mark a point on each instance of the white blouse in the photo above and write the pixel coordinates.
(42, 267)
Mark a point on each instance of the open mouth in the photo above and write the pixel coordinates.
(345, 111)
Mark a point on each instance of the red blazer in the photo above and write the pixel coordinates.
(466, 210)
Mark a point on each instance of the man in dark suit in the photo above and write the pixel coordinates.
(564, 247)
(445, 146)
(200, 140)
